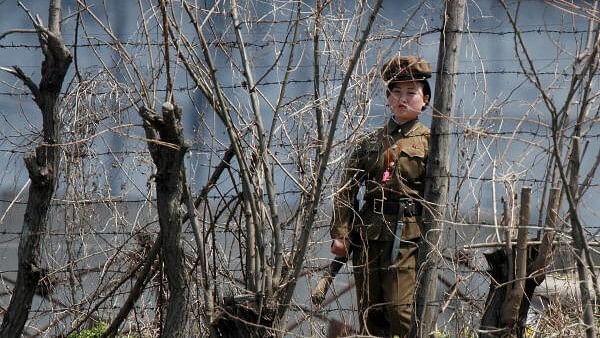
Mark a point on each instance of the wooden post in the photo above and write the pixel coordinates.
(510, 311)
(437, 182)
(539, 264)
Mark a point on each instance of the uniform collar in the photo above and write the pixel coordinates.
(404, 128)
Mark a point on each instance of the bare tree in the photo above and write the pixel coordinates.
(271, 257)
(42, 165)
(218, 224)
(265, 275)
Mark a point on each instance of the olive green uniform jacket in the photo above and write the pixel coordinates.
(402, 151)
(390, 164)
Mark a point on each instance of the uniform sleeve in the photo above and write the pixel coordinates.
(343, 202)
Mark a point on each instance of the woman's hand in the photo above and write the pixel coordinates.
(340, 247)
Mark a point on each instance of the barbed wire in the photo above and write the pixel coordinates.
(310, 81)
(264, 44)
(466, 132)
(475, 133)
(287, 192)
(189, 232)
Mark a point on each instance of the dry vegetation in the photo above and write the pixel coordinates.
(218, 201)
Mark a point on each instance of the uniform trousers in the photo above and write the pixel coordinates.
(384, 287)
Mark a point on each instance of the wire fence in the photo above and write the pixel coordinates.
(104, 217)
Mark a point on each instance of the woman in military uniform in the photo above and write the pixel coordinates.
(383, 235)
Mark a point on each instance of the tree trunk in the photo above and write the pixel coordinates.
(436, 185)
(492, 324)
(511, 292)
(582, 252)
(499, 275)
(242, 317)
(42, 167)
(168, 155)
(512, 304)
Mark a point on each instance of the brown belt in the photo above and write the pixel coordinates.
(411, 208)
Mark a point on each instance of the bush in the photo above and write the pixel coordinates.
(93, 332)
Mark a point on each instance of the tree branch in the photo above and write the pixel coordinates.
(16, 31)
(18, 73)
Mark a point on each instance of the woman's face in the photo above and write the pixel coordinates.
(406, 100)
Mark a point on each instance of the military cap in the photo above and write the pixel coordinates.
(407, 68)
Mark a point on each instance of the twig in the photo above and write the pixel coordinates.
(298, 258)
(265, 278)
(135, 292)
(16, 31)
(14, 200)
(18, 73)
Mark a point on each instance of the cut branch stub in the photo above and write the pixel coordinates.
(39, 170)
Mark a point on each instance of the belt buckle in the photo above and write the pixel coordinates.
(377, 201)
(404, 206)
(410, 208)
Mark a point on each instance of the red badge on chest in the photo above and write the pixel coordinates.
(386, 176)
